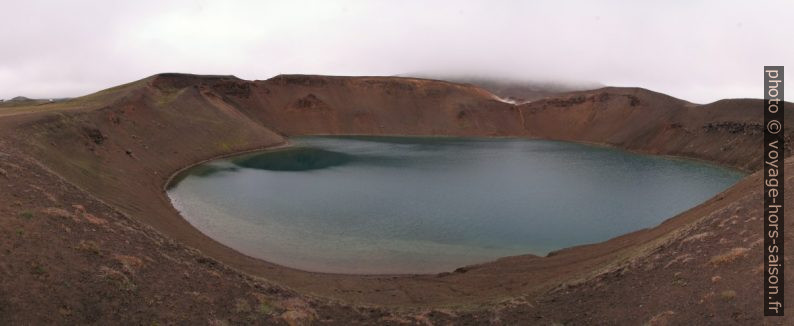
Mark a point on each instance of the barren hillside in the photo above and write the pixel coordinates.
(90, 237)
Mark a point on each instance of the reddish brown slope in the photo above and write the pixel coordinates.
(630, 118)
(301, 104)
(727, 132)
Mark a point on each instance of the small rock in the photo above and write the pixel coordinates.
(57, 212)
(130, 263)
(93, 219)
(728, 295)
(79, 208)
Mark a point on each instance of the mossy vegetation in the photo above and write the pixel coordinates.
(26, 215)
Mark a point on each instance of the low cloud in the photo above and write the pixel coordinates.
(698, 51)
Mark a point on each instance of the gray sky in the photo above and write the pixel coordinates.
(700, 51)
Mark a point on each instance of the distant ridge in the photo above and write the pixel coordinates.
(514, 90)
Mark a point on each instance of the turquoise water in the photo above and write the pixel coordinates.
(427, 205)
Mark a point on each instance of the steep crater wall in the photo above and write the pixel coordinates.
(124, 144)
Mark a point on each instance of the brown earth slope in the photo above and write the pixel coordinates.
(85, 217)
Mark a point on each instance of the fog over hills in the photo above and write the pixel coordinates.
(513, 89)
(699, 51)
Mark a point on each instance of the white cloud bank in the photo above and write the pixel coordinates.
(696, 50)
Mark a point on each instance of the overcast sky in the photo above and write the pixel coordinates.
(698, 51)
